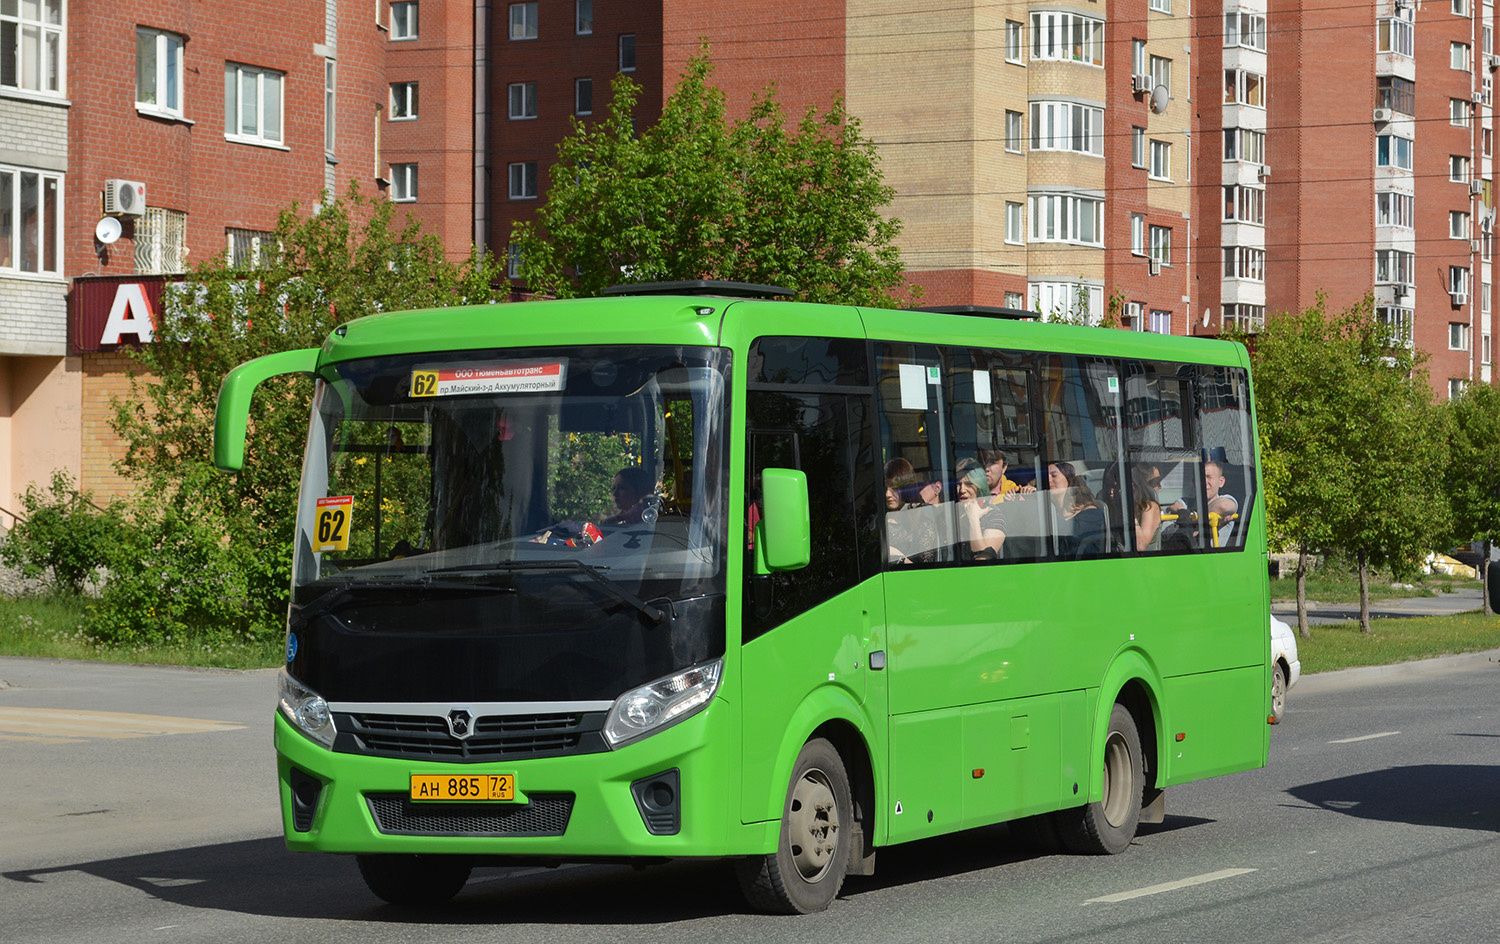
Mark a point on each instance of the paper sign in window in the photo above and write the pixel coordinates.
(913, 387)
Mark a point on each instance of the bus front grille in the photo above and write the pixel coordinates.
(495, 737)
(546, 815)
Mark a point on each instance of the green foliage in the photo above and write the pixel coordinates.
(697, 196)
(347, 259)
(1473, 479)
(63, 533)
(583, 469)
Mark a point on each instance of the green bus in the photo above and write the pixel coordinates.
(692, 571)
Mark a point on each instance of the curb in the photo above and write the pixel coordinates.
(1400, 671)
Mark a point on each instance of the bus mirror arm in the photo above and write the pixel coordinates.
(233, 413)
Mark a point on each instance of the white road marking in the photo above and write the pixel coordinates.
(1169, 886)
(1366, 737)
(55, 726)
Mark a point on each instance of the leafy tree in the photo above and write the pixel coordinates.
(1473, 479)
(62, 532)
(348, 258)
(697, 196)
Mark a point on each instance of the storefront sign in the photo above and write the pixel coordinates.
(108, 311)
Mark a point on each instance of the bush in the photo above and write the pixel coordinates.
(63, 534)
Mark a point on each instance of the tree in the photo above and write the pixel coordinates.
(348, 258)
(696, 196)
(1473, 479)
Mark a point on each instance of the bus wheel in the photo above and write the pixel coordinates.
(1106, 827)
(414, 879)
(807, 869)
(1278, 693)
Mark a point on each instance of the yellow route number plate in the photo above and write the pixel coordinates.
(472, 787)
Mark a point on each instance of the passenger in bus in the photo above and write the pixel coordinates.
(632, 486)
(911, 534)
(1216, 501)
(981, 523)
(1145, 505)
(1080, 520)
(993, 461)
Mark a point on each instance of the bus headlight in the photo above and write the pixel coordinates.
(307, 710)
(662, 703)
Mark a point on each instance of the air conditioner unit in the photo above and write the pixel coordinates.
(1382, 115)
(1154, 266)
(1264, 172)
(124, 197)
(1476, 97)
(1474, 245)
(1476, 186)
(1459, 298)
(1492, 61)
(1140, 83)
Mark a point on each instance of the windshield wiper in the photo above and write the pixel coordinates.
(347, 588)
(594, 571)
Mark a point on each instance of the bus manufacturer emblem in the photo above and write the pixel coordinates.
(460, 723)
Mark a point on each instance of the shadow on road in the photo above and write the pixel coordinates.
(1461, 796)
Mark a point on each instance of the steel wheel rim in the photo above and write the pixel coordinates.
(813, 825)
(1118, 776)
(1278, 691)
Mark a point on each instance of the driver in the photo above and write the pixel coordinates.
(632, 486)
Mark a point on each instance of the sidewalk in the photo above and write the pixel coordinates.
(1446, 604)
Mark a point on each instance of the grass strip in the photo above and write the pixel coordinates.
(1343, 646)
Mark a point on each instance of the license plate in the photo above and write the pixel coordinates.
(450, 788)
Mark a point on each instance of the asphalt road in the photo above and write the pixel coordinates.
(1375, 822)
(1446, 604)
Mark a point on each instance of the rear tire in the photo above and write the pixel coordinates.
(414, 880)
(1108, 826)
(1278, 693)
(807, 869)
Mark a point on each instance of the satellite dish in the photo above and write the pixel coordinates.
(1159, 97)
(107, 230)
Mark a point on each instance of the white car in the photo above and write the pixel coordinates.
(1286, 668)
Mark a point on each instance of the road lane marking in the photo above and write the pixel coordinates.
(58, 726)
(1365, 737)
(1169, 886)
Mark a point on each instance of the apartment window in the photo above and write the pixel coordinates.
(583, 96)
(1484, 308)
(1484, 246)
(1015, 42)
(1393, 208)
(1460, 7)
(1458, 168)
(1137, 234)
(1161, 322)
(403, 101)
(1458, 336)
(1161, 73)
(1162, 6)
(1242, 87)
(627, 52)
(1245, 204)
(330, 115)
(1245, 262)
(1245, 317)
(1243, 144)
(1161, 160)
(158, 71)
(523, 180)
(1015, 134)
(30, 227)
(1456, 387)
(403, 182)
(31, 43)
(1458, 56)
(1489, 40)
(523, 21)
(1484, 338)
(1067, 37)
(1138, 147)
(1245, 29)
(522, 100)
(1393, 151)
(1015, 300)
(1138, 57)
(1458, 224)
(252, 104)
(1487, 141)
(583, 17)
(160, 241)
(1396, 93)
(1066, 218)
(1486, 86)
(513, 261)
(1397, 322)
(1066, 126)
(1393, 266)
(1396, 36)
(1458, 286)
(1015, 226)
(1067, 300)
(404, 19)
(1161, 244)
(249, 248)
(1458, 112)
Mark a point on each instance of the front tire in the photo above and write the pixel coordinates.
(1278, 693)
(414, 880)
(1108, 826)
(807, 869)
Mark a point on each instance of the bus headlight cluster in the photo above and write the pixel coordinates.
(664, 702)
(307, 710)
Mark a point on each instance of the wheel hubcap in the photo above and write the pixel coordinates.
(1118, 778)
(813, 825)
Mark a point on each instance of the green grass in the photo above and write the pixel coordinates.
(51, 627)
(1329, 586)
(1342, 645)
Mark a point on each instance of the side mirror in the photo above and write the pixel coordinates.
(233, 414)
(783, 538)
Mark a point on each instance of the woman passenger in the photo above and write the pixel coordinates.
(1080, 520)
(981, 523)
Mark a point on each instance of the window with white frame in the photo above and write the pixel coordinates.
(1015, 134)
(583, 96)
(1137, 234)
(1066, 218)
(1245, 317)
(158, 71)
(1138, 147)
(1161, 244)
(1162, 6)
(404, 19)
(1161, 73)
(627, 52)
(330, 113)
(30, 221)
(403, 182)
(1458, 168)
(1245, 29)
(1458, 56)
(1396, 35)
(1161, 321)
(522, 100)
(1015, 300)
(1460, 7)
(523, 180)
(1458, 282)
(160, 242)
(1394, 266)
(1015, 42)
(252, 104)
(403, 101)
(513, 261)
(249, 248)
(1458, 112)
(1394, 208)
(1244, 144)
(31, 45)
(1484, 337)
(1015, 225)
(1243, 204)
(1393, 151)
(1161, 160)
(583, 17)
(1488, 34)
(1396, 319)
(1067, 126)
(1066, 300)
(523, 21)
(1484, 308)
(1458, 224)
(1243, 87)
(1067, 37)
(1456, 387)
(1458, 336)
(1486, 141)
(1245, 262)
(1486, 87)
(1138, 57)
